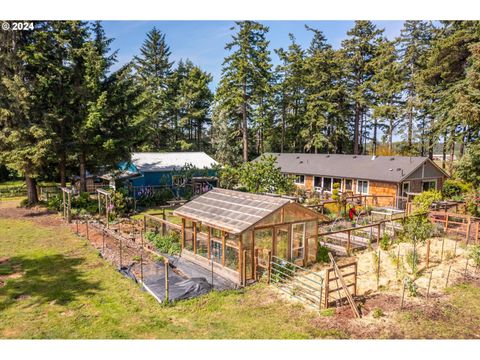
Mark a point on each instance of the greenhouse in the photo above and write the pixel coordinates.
(224, 229)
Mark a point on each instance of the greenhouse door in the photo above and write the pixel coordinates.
(281, 242)
(298, 241)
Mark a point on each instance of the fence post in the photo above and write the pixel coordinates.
(269, 266)
(164, 217)
(348, 241)
(403, 295)
(441, 254)
(166, 280)
(327, 286)
(448, 275)
(77, 226)
(378, 233)
(378, 269)
(255, 265)
(355, 279)
(428, 254)
(244, 267)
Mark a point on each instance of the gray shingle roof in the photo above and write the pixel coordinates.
(381, 168)
(234, 211)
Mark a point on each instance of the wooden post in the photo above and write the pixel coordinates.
(164, 227)
(448, 275)
(255, 265)
(183, 233)
(144, 224)
(103, 241)
(378, 269)
(69, 208)
(429, 282)
(64, 204)
(244, 267)
(467, 232)
(166, 280)
(269, 266)
(77, 226)
(428, 254)
(355, 279)
(223, 248)
(194, 237)
(446, 222)
(403, 295)
(378, 233)
(209, 242)
(441, 253)
(348, 242)
(327, 287)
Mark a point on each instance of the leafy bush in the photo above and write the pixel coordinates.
(168, 244)
(417, 229)
(385, 241)
(454, 188)
(424, 200)
(475, 254)
(377, 313)
(322, 254)
(411, 287)
(86, 203)
(152, 197)
(55, 203)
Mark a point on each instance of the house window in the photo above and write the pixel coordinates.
(327, 184)
(405, 188)
(300, 179)
(348, 184)
(429, 185)
(317, 182)
(362, 186)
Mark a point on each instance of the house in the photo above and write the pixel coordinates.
(387, 177)
(225, 230)
(168, 169)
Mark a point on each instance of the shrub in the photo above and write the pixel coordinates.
(454, 188)
(385, 241)
(168, 244)
(55, 203)
(417, 229)
(85, 203)
(424, 200)
(475, 254)
(377, 313)
(322, 254)
(412, 288)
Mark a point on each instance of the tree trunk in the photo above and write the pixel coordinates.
(444, 150)
(374, 140)
(32, 195)
(83, 172)
(430, 145)
(452, 153)
(356, 128)
(244, 123)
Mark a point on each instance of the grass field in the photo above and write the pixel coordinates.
(53, 284)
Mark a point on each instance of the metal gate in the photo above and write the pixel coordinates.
(297, 281)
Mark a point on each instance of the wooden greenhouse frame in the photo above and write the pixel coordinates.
(104, 196)
(67, 203)
(225, 229)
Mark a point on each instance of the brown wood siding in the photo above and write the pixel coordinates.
(382, 188)
(309, 182)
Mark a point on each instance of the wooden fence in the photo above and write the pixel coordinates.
(349, 273)
(465, 226)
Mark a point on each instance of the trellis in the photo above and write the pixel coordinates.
(67, 203)
(104, 196)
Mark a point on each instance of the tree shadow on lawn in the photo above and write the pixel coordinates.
(52, 278)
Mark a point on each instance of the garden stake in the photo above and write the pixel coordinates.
(466, 269)
(403, 295)
(441, 254)
(448, 275)
(429, 282)
(166, 280)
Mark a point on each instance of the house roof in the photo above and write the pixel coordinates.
(168, 161)
(234, 211)
(380, 168)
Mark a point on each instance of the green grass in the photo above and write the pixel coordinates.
(459, 318)
(60, 288)
(11, 183)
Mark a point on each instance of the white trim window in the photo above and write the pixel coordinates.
(348, 185)
(362, 187)
(429, 185)
(299, 179)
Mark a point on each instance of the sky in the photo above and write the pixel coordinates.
(203, 42)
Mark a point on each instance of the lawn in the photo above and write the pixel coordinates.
(158, 210)
(56, 286)
(53, 284)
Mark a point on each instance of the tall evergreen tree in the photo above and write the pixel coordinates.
(245, 80)
(154, 72)
(359, 49)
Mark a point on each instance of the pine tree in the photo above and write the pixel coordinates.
(414, 41)
(359, 50)
(290, 90)
(326, 99)
(245, 80)
(154, 73)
